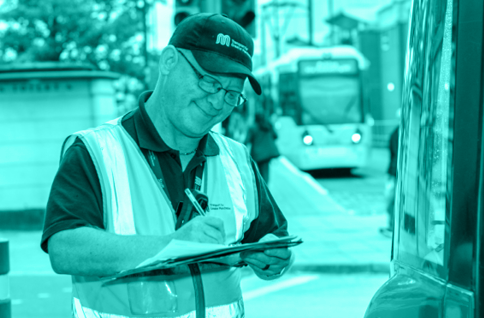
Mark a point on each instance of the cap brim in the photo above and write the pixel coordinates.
(216, 63)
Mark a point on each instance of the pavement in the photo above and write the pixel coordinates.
(335, 240)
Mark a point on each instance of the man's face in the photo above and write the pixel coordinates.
(194, 110)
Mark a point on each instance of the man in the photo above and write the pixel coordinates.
(118, 197)
(262, 140)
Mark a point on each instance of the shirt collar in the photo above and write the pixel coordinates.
(150, 139)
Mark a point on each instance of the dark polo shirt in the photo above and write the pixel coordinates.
(76, 199)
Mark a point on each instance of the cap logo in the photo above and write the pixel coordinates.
(223, 39)
(241, 47)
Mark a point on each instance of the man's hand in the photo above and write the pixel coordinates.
(268, 264)
(206, 229)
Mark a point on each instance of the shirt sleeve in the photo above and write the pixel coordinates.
(270, 219)
(75, 198)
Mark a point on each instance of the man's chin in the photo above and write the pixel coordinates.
(197, 134)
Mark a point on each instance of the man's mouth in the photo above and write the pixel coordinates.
(205, 112)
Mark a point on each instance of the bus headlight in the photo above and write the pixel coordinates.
(356, 138)
(308, 140)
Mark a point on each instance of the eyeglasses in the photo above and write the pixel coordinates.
(211, 85)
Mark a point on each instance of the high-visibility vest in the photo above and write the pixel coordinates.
(135, 203)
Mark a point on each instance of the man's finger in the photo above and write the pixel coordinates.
(214, 234)
(282, 253)
(268, 237)
(267, 269)
(260, 258)
(215, 223)
(255, 262)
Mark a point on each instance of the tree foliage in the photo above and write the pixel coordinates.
(105, 33)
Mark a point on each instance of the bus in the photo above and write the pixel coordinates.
(317, 96)
(437, 256)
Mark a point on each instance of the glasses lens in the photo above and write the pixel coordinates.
(210, 85)
(233, 98)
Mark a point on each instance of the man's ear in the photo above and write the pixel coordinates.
(168, 59)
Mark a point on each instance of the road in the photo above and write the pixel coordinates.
(311, 295)
(360, 191)
(40, 295)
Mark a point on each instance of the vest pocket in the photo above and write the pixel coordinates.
(152, 295)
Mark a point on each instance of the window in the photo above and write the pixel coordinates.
(332, 99)
(426, 140)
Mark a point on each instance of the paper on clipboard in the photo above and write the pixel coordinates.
(177, 248)
(184, 252)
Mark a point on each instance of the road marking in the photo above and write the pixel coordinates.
(43, 295)
(289, 165)
(304, 175)
(279, 286)
(310, 180)
(17, 301)
(314, 184)
(67, 289)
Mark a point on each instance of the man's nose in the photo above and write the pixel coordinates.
(217, 100)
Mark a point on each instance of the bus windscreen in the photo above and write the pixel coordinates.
(330, 99)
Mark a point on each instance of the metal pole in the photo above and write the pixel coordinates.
(332, 28)
(145, 45)
(263, 39)
(5, 302)
(310, 22)
(277, 30)
(210, 6)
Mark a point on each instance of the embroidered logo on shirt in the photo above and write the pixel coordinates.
(218, 207)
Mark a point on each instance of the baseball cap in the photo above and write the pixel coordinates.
(218, 44)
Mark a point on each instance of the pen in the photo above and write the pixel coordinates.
(194, 202)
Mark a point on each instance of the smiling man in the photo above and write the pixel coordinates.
(119, 195)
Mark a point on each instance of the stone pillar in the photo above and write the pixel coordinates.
(40, 105)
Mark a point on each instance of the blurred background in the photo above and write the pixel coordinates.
(332, 74)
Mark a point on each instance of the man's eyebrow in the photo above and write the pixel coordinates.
(213, 75)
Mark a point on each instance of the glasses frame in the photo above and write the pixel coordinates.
(218, 88)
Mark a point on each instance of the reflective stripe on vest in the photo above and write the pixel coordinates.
(117, 159)
(239, 177)
(135, 207)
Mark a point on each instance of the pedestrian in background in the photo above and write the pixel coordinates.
(392, 177)
(261, 139)
(235, 126)
(118, 197)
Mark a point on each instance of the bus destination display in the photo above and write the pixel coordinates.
(321, 67)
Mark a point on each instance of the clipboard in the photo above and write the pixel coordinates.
(209, 253)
